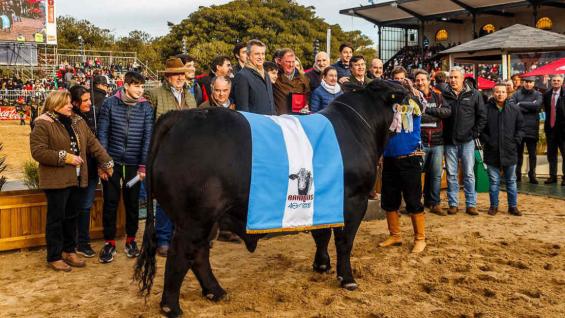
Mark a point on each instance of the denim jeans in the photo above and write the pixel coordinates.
(83, 222)
(494, 185)
(466, 152)
(163, 227)
(433, 167)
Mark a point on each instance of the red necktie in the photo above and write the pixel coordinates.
(552, 115)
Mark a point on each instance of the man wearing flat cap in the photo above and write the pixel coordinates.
(173, 94)
(530, 102)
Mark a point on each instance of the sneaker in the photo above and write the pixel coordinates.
(107, 253)
(131, 249)
(86, 251)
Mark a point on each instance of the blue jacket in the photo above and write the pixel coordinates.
(125, 131)
(342, 69)
(404, 143)
(252, 93)
(321, 98)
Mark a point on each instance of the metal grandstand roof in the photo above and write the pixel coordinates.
(408, 13)
(516, 38)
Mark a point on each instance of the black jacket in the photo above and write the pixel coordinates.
(252, 93)
(315, 78)
(530, 103)
(432, 120)
(98, 98)
(502, 134)
(468, 115)
(558, 130)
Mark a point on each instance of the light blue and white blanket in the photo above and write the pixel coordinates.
(296, 174)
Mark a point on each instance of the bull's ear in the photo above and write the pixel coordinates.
(292, 176)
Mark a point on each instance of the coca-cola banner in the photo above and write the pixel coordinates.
(10, 113)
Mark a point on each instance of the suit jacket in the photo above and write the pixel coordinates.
(163, 100)
(558, 131)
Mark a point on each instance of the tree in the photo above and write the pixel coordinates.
(148, 48)
(214, 30)
(69, 29)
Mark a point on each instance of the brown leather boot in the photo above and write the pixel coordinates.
(452, 210)
(393, 221)
(60, 266)
(438, 210)
(493, 210)
(514, 211)
(471, 210)
(418, 223)
(73, 260)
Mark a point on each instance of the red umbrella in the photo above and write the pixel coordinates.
(555, 67)
(485, 83)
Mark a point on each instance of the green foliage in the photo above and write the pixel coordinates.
(31, 174)
(2, 167)
(279, 23)
(95, 38)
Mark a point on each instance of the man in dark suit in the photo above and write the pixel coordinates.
(554, 106)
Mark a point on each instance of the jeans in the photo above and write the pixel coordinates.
(83, 222)
(531, 145)
(433, 167)
(163, 227)
(60, 229)
(494, 185)
(466, 152)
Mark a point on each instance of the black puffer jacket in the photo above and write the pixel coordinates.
(502, 134)
(432, 120)
(468, 115)
(530, 102)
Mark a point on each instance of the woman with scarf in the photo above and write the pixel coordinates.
(328, 90)
(82, 106)
(60, 142)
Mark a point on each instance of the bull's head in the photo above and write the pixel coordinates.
(304, 180)
(389, 92)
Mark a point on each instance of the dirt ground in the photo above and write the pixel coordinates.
(502, 266)
(16, 147)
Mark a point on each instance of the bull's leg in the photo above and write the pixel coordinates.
(322, 259)
(211, 289)
(344, 238)
(178, 262)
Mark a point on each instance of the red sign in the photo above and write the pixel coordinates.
(10, 113)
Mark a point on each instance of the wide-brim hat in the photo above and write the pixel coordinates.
(174, 65)
(529, 78)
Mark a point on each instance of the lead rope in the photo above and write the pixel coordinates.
(356, 113)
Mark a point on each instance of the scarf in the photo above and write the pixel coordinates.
(121, 95)
(67, 122)
(253, 67)
(332, 89)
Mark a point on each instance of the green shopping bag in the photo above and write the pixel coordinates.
(481, 175)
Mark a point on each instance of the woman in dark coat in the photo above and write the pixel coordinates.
(60, 142)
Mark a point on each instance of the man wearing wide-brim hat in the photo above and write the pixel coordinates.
(530, 102)
(173, 94)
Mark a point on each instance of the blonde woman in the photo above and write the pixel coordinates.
(60, 142)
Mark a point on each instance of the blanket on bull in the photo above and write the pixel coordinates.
(296, 174)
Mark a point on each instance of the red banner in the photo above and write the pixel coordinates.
(10, 113)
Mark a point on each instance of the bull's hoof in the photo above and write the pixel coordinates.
(216, 295)
(322, 268)
(171, 313)
(349, 285)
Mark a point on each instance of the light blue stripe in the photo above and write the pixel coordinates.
(269, 177)
(328, 169)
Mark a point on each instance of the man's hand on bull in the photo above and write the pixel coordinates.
(141, 172)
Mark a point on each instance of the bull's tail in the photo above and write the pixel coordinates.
(145, 266)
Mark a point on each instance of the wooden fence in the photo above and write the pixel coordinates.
(23, 217)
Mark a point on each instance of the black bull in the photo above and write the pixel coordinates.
(199, 170)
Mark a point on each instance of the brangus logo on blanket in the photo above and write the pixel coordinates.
(303, 185)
